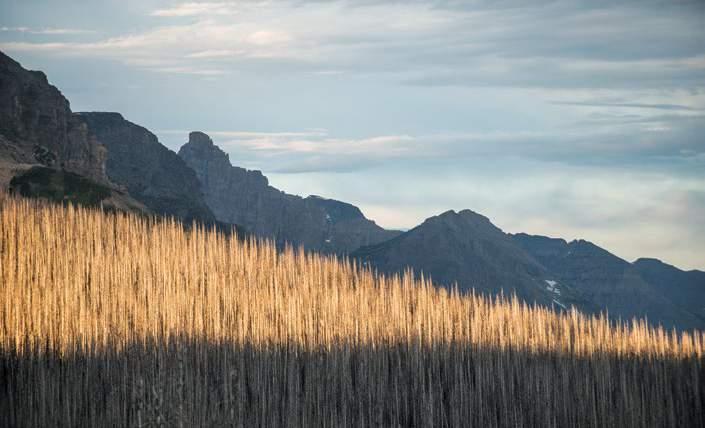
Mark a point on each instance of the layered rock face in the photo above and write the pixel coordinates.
(244, 197)
(38, 127)
(151, 173)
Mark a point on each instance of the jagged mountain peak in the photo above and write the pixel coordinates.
(210, 162)
(464, 248)
(200, 138)
(200, 147)
(465, 214)
(464, 221)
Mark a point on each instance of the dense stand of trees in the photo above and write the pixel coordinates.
(109, 319)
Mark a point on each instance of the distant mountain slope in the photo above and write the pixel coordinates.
(467, 249)
(151, 173)
(686, 289)
(244, 197)
(646, 288)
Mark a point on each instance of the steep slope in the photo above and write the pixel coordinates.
(244, 197)
(37, 127)
(645, 289)
(466, 248)
(151, 173)
(45, 149)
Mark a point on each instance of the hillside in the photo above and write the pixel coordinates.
(466, 249)
(104, 324)
(645, 289)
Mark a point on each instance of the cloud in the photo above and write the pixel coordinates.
(46, 31)
(268, 37)
(660, 140)
(196, 9)
(475, 44)
(630, 105)
(214, 53)
(190, 70)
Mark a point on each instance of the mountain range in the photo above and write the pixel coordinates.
(98, 158)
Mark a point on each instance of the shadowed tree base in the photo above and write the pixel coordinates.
(192, 383)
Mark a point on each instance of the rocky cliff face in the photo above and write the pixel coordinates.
(37, 126)
(151, 173)
(244, 197)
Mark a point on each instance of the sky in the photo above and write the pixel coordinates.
(574, 119)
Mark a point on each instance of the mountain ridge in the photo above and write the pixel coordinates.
(616, 285)
(466, 249)
(245, 197)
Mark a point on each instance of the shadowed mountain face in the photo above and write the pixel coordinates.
(647, 288)
(244, 197)
(467, 249)
(37, 127)
(151, 173)
(686, 289)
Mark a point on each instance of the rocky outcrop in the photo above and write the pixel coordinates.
(150, 172)
(37, 126)
(244, 197)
